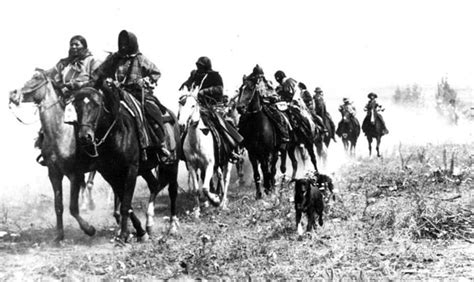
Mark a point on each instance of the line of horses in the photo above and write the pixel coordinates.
(107, 129)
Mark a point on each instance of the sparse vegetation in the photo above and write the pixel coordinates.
(399, 217)
(410, 95)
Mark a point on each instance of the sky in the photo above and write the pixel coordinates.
(348, 48)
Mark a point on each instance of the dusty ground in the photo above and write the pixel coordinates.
(376, 228)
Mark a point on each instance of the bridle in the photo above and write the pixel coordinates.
(254, 91)
(96, 142)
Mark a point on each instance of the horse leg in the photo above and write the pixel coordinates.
(283, 161)
(256, 176)
(155, 186)
(170, 174)
(56, 181)
(225, 185)
(266, 170)
(76, 180)
(378, 139)
(126, 211)
(294, 162)
(209, 173)
(309, 147)
(195, 186)
(89, 185)
(369, 139)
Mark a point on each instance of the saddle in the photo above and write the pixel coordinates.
(223, 141)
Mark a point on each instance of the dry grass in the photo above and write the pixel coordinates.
(400, 217)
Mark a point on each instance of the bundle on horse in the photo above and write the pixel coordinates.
(109, 131)
(348, 130)
(204, 151)
(373, 127)
(59, 147)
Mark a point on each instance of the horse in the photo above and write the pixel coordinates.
(109, 132)
(324, 140)
(199, 153)
(373, 128)
(348, 130)
(259, 134)
(300, 137)
(59, 147)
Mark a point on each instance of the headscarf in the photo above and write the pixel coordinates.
(204, 64)
(127, 44)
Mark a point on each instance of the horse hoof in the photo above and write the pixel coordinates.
(59, 239)
(143, 238)
(149, 230)
(90, 231)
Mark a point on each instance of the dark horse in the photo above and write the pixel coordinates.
(59, 147)
(109, 130)
(324, 140)
(373, 128)
(349, 130)
(259, 134)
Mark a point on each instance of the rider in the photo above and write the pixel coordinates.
(210, 95)
(70, 74)
(286, 90)
(308, 100)
(269, 98)
(135, 74)
(373, 104)
(322, 112)
(348, 106)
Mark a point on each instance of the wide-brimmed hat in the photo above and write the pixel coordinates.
(371, 94)
(318, 90)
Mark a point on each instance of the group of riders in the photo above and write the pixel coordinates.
(135, 77)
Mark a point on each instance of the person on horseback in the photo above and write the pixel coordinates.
(373, 104)
(70, 74)
(321, 111)
(309, 102)
(348, 106)
(135, 76)
(211, 98)
(269, 97)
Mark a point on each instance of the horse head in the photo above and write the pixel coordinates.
(33, 91)
(248, 100)
(188, 112)
(89, 105)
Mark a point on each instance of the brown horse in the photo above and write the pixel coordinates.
(59, 147)
(349, 130)
(109, 130)
(373, 129)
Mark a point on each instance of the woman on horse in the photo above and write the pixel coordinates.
(373, 104)
(133, 73)
(348, 106)
(210, 95)
(70, 74)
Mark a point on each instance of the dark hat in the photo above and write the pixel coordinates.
(302, 85)
(371, 94)
(79, 38)
(204, 63)
(257, 70)
(318, 90)
(345, 100)
(280, 74)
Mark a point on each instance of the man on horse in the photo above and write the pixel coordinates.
(308, 100)
(347, 107)
(376, 107)
(70, 74)
(269, 98)
(321, 112)
(135, 77)
(211, 99)
(286, 91)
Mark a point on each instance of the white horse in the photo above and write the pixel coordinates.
(198, 149)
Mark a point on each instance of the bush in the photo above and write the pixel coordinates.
(409, 95)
